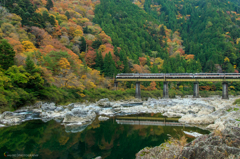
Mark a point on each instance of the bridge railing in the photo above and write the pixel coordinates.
(178, 75)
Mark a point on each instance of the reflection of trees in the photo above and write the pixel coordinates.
(109, 140)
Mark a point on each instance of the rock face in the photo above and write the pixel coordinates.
(217, 145)
(214, 146)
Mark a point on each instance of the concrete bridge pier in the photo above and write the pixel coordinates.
(115, 85)
(196, 90)
(138, 90)
(165, 90)
(225, 90)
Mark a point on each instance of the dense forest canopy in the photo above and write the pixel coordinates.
(209, 28)
(59, 50)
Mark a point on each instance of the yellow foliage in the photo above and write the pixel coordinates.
(83, 77)
(28, 46)
(64, 64)
(237, 41)
(226, 59)
(62, 17)
(41, 10)
(81, 94)
(102, 48)
(159, 62)
(78, 32)
(82, 55)
(90, 85)
(232, 87)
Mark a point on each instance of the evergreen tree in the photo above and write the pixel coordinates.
(109, 65)
(162, 31)
(83, 45)
(148, 61)
(99, 61)
(67, 14)
(6, 54)
(35, 82)
(49, 4)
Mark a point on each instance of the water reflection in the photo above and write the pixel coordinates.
(107, 139)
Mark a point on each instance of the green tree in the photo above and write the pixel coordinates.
(109, 65)
(83, 45)
(6, 54)
(67, 14)
(49, 4)
(35, 82)
(99, 61)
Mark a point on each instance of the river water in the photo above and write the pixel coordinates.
(108, 139)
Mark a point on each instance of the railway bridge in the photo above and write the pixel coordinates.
(179, 77)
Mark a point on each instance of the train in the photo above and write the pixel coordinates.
(177, 75)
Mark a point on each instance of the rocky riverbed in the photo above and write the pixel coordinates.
(208, 113)
(212, 113)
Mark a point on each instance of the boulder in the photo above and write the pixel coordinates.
(104, 102)
(59, 109)
(107, 112)
(197, 119)
(70, 106)
(103, 118)
(48, 106)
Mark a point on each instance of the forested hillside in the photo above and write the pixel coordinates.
(44, 51)
(209, 28)
(60, 50)
(148, 45)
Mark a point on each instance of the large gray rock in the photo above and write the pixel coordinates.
(59, 109)
(48, 106)
(104, 102)
(197, 119)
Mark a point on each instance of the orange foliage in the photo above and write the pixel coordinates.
(139, 69)
(207, 88)
(57, 32)
(17, 45)
(190, 56)
(152, 86)
(142, 60)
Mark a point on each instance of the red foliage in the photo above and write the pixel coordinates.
(90, 57)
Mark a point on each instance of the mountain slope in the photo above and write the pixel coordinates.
(209, 28)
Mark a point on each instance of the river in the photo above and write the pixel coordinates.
(108, 139)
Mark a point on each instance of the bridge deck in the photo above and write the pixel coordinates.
(178, 77)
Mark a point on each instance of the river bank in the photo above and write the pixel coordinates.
(208, 113)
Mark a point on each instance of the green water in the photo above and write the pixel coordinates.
(107, 139)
